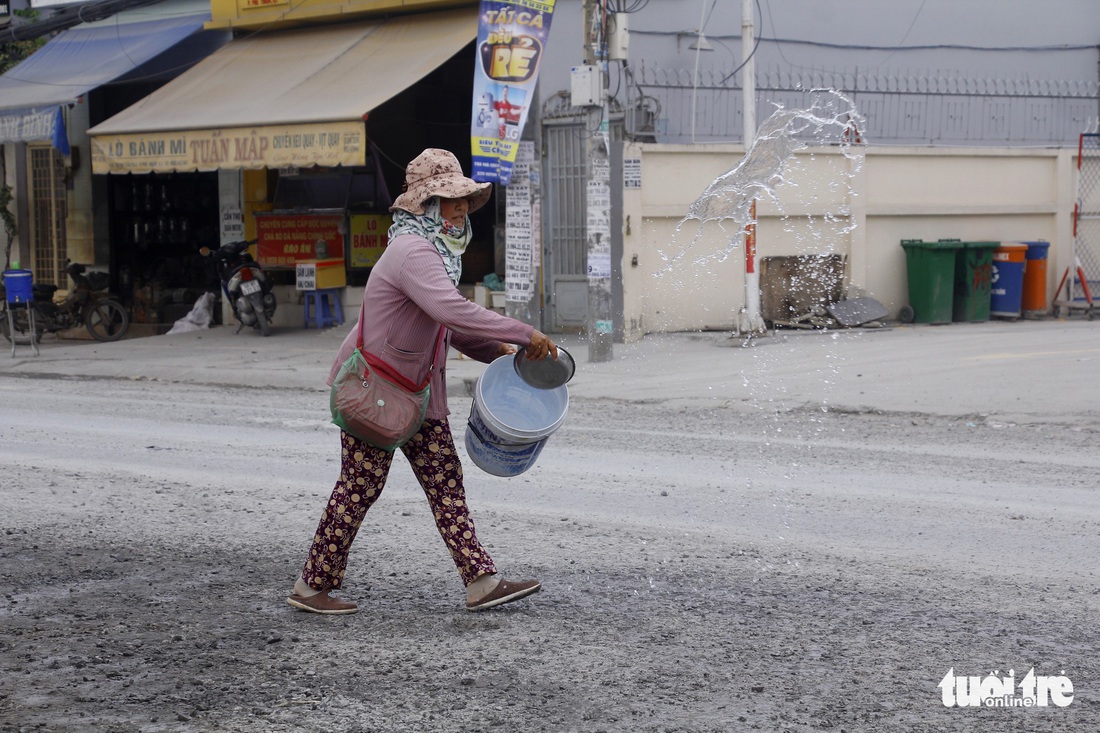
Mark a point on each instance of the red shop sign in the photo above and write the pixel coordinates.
(283, 239)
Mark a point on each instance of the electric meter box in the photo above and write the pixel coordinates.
(618, 38)
(584, 87)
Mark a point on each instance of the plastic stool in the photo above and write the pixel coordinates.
(326, 307)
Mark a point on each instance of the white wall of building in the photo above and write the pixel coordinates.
(973, 194)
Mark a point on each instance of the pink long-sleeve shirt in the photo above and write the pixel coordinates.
(407, 298)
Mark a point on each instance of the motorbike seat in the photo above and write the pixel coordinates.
(98, 280)
(43, 292)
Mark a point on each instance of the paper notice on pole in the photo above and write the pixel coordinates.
(536, 238)
(599, 265)
(601, 170)
(599, 199)
(519, 234)
(598, 223)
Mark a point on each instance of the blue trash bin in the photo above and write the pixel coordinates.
(1007, 291)
(19, 286)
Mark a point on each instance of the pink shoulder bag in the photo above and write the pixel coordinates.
(372, 401)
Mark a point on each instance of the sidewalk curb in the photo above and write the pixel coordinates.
(1025, 371)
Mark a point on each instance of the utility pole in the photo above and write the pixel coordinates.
(750, 322)
(599, 324)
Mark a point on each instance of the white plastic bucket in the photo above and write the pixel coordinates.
(510, 421)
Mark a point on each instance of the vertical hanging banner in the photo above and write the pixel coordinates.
(511, 37)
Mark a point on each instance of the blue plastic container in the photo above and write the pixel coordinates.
(1007, 287)
(19, 286)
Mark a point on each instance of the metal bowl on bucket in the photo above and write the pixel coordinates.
(548, 373)
(510, 421)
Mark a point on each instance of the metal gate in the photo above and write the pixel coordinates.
(1087, 220)
(47, 215)
(565, 256)
(1082, 278)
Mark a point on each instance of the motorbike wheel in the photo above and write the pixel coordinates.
(107, 320)
(261, 321)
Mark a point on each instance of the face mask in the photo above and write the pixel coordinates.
(451, 230)
(455, 238)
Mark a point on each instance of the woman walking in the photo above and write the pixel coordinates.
(412, 292)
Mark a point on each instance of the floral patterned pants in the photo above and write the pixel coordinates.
(363, 471)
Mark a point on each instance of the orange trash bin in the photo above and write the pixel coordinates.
(1034, 299)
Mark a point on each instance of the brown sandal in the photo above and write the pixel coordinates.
(505, 592)
(324, 602)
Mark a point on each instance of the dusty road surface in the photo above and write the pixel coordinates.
(707, 567)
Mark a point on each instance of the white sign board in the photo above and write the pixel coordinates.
(230, 215)
(305, 276)
(632, 173)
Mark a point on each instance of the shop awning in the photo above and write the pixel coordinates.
(73, 63)
(279, 99)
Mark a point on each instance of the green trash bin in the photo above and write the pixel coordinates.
(973, 278)
(931, 273)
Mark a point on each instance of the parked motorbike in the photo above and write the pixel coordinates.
(105, 317)
(245, 285)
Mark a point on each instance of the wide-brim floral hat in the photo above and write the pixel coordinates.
(437, 172)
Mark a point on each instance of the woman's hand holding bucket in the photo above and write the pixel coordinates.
(541, 346)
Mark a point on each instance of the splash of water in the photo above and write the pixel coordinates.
(832, 119)
(773, 171)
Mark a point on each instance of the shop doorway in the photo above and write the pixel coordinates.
(158, 223)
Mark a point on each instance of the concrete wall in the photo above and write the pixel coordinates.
(80, 213)
(678, 275)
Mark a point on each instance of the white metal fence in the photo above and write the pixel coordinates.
(1086, 224)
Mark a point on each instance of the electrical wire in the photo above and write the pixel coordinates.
(713, 5)
(636, 5)
(118, 37)
(908, 30)
(752, 53)
(892, 49)
(778, 46)
(871, 47)
(67, 17)
(112, 10)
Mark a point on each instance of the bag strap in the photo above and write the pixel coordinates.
(390, 373)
